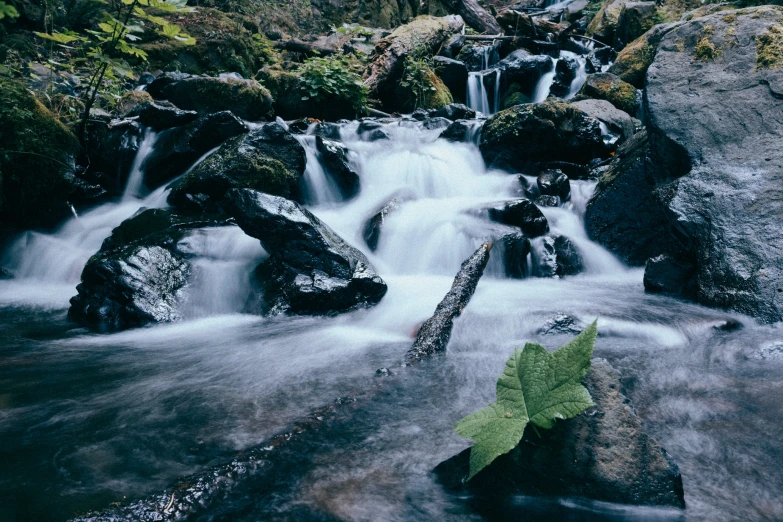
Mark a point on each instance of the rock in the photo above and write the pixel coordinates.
(514, 249)
(335, 161)
(457, 131)
(575, 10)
(547, 201)
(111, 148)
(268, 159)
(607, 86)
(452, 47)
(454, 112)
(436, 123)
(157, 86)
(131, 101)
(247, 99)
(569, 261)
(597, 59)
(524, 69)
(562, 324)
(310, 269)
(36, 164)
(475, 16)
(435, 332)
(554, 183)
(436, 94)
(601, 454)
(565, 72)
(523, 214)
(478, 57)
(617, 121)
(717, 156)
(664, 274)
(177, 149)
(420, 114)
(636, 18)
(386, 65)
(623, 215)
(728, 325)
(159, 116)
(604, 24)
(374, 225)
(633, 61)
(454, 75)
(555, 256)
(552, 130)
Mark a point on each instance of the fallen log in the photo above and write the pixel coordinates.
(435, 333)
(298, 46)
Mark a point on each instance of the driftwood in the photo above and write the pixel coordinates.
(299, 46)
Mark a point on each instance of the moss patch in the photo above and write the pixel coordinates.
(769, 48)
(606, 86)
(132, 99)
(705, 50)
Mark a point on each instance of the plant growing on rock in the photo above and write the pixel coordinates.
(331, 78)
(536, 387)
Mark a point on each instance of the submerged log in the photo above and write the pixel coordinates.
(435, 333)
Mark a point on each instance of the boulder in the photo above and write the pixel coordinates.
(554, 183)
(268, 159)
(617, 121)
(310, 269)
(524, 69)
(717, 155)
(633, 61)
(603, 26)
(160, 116)
(434, 93)
(454, 75)
(597, 59)
(459, 131)
(177, 149)
(163, 80)
(454, 112)
(514, 248)
(334, 158)
(386, 64)
(521, 213)
(111, 148)
(478, 57)
(601, 454)
(452, 47)
(435, 332)
(664, 274)
(562, 324)
(636, 18)
(436, 123)
(247, 99)
(565, 72)
(607, 86)
(555, 257)
(547, 201)
(552, 130)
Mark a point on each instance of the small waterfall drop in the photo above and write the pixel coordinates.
(477, 94)
(541, 91)
(318, 187)
(136, 177)
(581, 73)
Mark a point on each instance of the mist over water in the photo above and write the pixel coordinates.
(87, 419)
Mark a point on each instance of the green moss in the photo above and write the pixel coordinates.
(632, 62)
(514, 96)
(36, 159)
(605, 86)
(769, 48)
(705, 50)
(421, 90)
(245, 98)
(730, 18)
(132, 99)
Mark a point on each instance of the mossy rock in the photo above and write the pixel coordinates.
(633, 61)
(132, 100)
(436, 96)
(514, 96)
(36, 161)
(607, 86)
(246, 99)
(604, 23)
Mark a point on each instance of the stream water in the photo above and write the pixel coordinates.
(89, 419)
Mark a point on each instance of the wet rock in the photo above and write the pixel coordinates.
(434, 334)
(310, 269)
(562, 324)
(160, 116)
(607, 86)
(603, 26)
(524, 69)
(436, 123)
(664, 274)
(111, 148)
(387, 62)
(457, 131)
(601, 454)
(420, 114)
(617, 121)
(177, 149)
(729, 325)
(633, 61)
(434, 94)
(598, 59)
(454, 75)
(452, 46)
(374, 225)
(569, 261)
(514, 249)
(454, 112)
(268, 159)
(636, 18)
(247, 99)
(159, 84)
(565, 72)
(552, 130)
(554, 183)
(479, 57)
(547, 201)
(523, 214)
(556, 256)
(334, 156)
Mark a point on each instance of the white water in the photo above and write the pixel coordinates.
(541, 91)
(319, 188)
(581, 73)
(477, 94)
(133, 188)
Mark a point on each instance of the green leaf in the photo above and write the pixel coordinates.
(7, 10)
(62, 38)
(536, 386)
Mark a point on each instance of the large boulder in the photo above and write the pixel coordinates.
(429, 92)
(603, 26)
(521, 213)
(601, 454)
(37, 157)
(247, 99)
(387, 62)
(617, 121)
(552, 130)
(310, 269)
(334, 158)
(715, 139)
(177, 149)
(636, 18)
(523, 69)
(607, 86)
(268, 159)
(454, 75)
(633, 61)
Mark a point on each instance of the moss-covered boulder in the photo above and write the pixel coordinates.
(633, 61)
(607, 86)
(269, 160)
(604, 24)
(430, 93)
(246, 99)
(636, 18)
(538, 132)
(36, 161)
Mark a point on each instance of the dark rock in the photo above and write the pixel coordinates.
(310, 269)
(436, 123)
(607, 86)
(111, 149)
(335, 160)
(555, 256)
(300, 126)
(452, 46)
(633, 61)
(326, 130)
(434, 334)
(159, 116)
(729, 325)
(247, 99)
(569, 261)
(572, 170)
(454, 112)
(454, 75)
(562, 324)
(523, 214)
(479, 57)
(636, 18)
(146, 78)
(599, 58)
(664, 274)
(514, 249)
(547, 201)
(524, 69)
(552, 130)
(459, 131)
(420, 114)
(565, 72)
(268, 159)
(157, 86)
(374, 225)
(554, 183)
(383, 372)
(617, 121)
(601, 454)
(178, 148)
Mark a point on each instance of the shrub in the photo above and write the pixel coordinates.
(333, 78)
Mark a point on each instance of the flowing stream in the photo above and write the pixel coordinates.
(89, 419)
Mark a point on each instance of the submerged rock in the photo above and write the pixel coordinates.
(514, 249)
(562, 324)
(310, 269)
(454, 112)
(523, 214)
(434, 334)
(601, 454)
(556, 256)
(374, 225)
(268, 159)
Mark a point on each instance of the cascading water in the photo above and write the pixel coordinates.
(88, 419)
(477, 94)
(541, 92)
(319, 188)
(136, 177)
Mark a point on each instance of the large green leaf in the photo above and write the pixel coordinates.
(536, 386)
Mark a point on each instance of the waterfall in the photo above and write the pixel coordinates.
(477, 95)
(136, 176)
(541, 92)
(319, 188)
(581, 73)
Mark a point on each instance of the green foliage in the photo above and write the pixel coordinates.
(7, 11)
(536, 387)
(264, 49)
(333, 77)
(417, 79)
